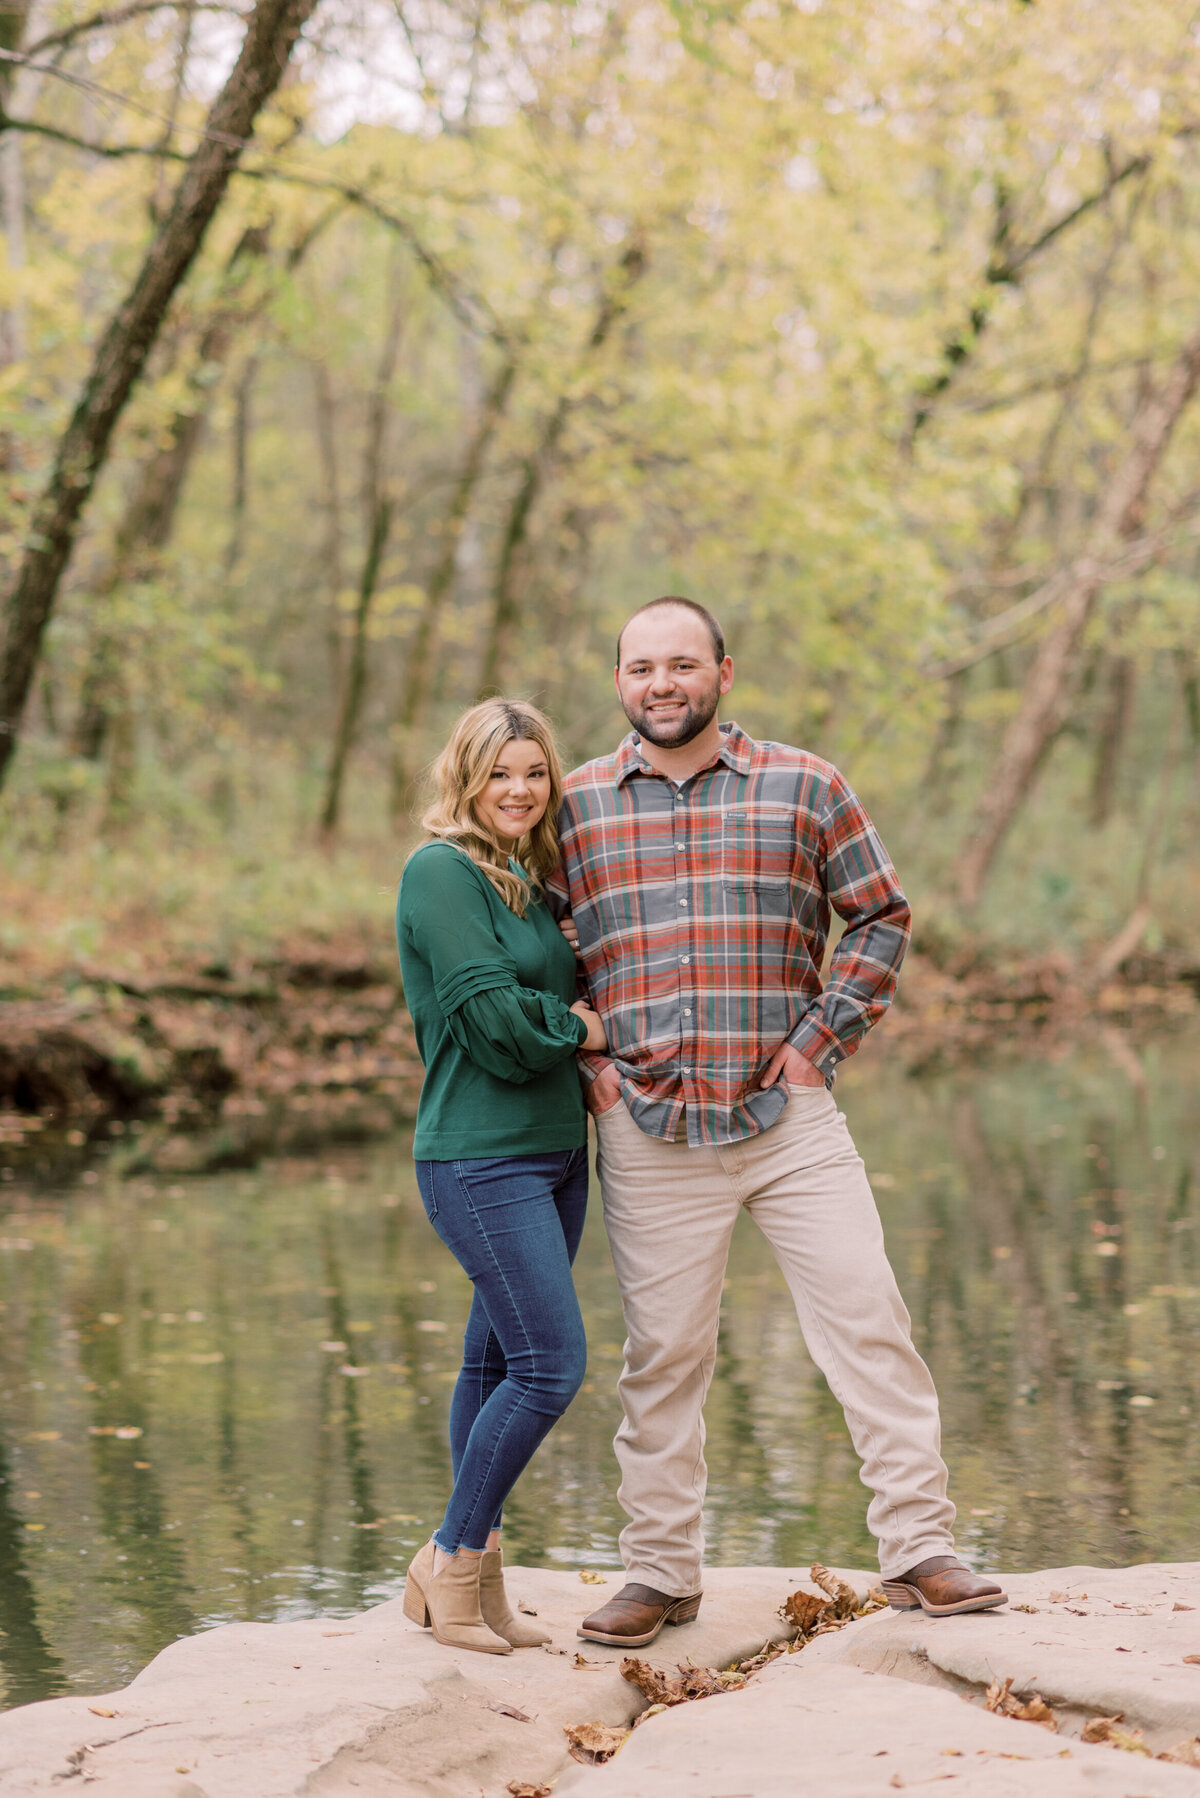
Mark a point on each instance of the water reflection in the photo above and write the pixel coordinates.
(227, 1398)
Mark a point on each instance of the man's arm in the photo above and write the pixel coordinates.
(863, 889)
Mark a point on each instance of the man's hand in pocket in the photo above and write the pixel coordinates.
(788, 1064)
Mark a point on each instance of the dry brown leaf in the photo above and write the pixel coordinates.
(586, 1666)
(1096, 1729)
(1108, 1731)
(1184, 1754)
(1031, 1608)
(527, 1609)
(592, 1579)
(101, 1710)
(527, 1788)
(1182, 1607)
(702, 1682)
(1034, 1709)
(658, 1687)
(510, 1710)
(804, 1610)
(1191, 1660)
(593, 1743)
(1059, 1597)
(845, 1598)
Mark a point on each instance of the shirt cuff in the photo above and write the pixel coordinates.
(817, 1043)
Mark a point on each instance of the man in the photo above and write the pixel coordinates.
(701, 869)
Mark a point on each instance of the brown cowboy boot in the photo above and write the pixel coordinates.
(943, 1587)
(635, 1616)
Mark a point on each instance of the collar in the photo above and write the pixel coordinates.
(736, 751)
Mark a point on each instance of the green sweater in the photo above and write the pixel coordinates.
(490, 996)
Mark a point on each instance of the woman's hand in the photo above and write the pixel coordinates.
(595, 1040)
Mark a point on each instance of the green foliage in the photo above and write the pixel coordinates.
(903, 275)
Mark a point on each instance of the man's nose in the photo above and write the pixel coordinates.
(663, 680)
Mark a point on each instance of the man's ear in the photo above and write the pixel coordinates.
(726, 681)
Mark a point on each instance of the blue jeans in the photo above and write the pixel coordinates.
(513, 1222)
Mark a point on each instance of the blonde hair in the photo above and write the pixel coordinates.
(460, 775)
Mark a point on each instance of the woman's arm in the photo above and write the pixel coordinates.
(512, 1031)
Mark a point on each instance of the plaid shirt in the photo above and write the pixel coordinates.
(703, 912)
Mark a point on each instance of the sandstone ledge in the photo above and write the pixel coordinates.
(370, 1707)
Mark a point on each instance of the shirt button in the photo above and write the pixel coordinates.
(685, 1070)
(685, 959)
(687, 1014)
(683, 902)
(681, 845)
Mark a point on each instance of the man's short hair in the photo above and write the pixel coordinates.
(688, 605)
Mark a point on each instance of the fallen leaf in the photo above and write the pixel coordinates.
(1059, 1597)
(845, 1598)
(1184, 1754)
(339, 1632)
(549, 1648)
(592, 1579)
(956, 1752)
(1121, 1650)
(1076, 1612)
(527, 1609)
(896, 1780)
(1192, 1660)
(804, 1610)
(510, 1710)
(526, 1788)
(1034, 1709)
(653, 1684)
(586, 1666)
(1107, 1730)
(1031, 1608)
(593, 1743)
(101, 1710)
(1182, 1607)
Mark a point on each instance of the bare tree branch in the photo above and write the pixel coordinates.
(120, 15)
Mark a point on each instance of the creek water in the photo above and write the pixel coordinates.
(225, 1397)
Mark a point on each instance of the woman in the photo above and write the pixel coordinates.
(501, 1137)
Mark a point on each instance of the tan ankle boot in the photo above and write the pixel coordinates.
(448, 1602)
(497, 1612)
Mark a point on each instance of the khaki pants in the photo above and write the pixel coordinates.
(669, 1210)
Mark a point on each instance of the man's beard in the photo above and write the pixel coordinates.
(685, 729)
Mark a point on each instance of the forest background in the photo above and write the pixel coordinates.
(360, 358)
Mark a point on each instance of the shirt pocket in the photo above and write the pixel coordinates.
(758, 850)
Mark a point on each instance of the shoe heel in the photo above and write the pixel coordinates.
(415, 1608)
(899, 1597)
(687, 1613)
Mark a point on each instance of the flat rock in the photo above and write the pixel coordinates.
(802, 1731)
(366, 1705)
(372, 1707)
(1090, 1641)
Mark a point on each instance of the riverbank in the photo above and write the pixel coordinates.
(216, 1062)
(1105, 1664)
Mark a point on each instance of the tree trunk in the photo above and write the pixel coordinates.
(331, 486)
(505, 603)
(149, 518)
(240, 490)
(1115, 719)
(120, 356)
(1116, 953)
(377, 506)
(414, 692)
(1047, 689)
